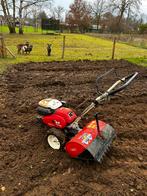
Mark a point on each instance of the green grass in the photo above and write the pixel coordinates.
(78, 47)
(140, 61)
(3, 29)
(26, 29)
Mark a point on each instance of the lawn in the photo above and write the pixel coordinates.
(78, 47)
(27, 29)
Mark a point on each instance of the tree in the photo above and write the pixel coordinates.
(7, 7)
(79, 15)
(18, 7)
(42, 15)
(98, 8)
(57, 12)
(143, 28)
(24, 4)
(122, 7)
(107, 22)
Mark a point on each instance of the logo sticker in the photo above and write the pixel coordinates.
(86, 138)
(92, 125)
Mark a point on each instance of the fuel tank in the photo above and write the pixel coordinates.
(60, 118)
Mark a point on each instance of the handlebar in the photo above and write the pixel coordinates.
(99, 78)
(111, 91)
(114, 88)
(126, 81)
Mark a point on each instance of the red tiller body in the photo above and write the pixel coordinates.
(61, 118)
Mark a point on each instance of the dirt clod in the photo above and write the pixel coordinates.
(140, 157)
(3, 188)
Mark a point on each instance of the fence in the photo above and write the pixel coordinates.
(3, 51)
(101, 48)
(74, 47)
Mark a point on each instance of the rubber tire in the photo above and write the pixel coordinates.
(59, 134)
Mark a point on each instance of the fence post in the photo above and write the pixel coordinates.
(63, 49)
(113, 49)
(2, 47)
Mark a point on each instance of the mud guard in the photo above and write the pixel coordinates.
(89, 144)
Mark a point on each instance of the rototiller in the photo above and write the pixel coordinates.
(88, 142)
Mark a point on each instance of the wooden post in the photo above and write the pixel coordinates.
(113, 49)
(4, 49)
(3, 52)
(63, 49)
(2, 46)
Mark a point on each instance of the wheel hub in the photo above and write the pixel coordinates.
(53, 142)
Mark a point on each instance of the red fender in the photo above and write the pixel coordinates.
(83, 139)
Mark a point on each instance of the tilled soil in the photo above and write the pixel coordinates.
(30, 167)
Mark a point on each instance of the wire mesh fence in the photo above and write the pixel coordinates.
(75, 47)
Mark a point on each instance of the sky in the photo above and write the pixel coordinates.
(63, 3)
(144, 6)
(66, 3)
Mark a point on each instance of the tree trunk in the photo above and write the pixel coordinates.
(20, 18)
(118, 23)
(11, 29)
(6, 12)
(14, 11)
(122, 10)
(20, 31)
(98, 21)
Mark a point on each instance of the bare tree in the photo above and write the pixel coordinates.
(24, 4)
(58, 12)
(98, 8)
(79, 15)
(8, 6)
(122, 7)
(18, 6)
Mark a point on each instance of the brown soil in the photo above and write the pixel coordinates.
(30, 167)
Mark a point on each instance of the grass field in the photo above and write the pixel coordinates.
(78, 47)
(27, 29)
(137, 40)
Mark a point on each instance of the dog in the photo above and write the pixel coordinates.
(49, 49)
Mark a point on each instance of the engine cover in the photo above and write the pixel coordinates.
(60, 118)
